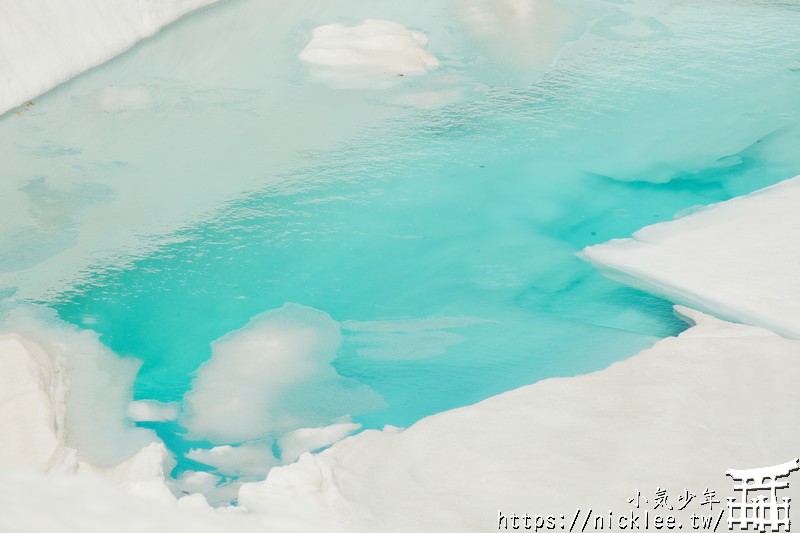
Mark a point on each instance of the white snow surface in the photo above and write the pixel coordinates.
(673, 417)
(737, 259)
(44, 43)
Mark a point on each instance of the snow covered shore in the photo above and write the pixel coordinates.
(44, 43)
(736, 259)
(673, 417)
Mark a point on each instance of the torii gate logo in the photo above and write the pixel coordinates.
(760, 511)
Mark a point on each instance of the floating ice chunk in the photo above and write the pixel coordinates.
(274, 374)
(297, 442)
(372, 54)
(152, 411)
(737, 259)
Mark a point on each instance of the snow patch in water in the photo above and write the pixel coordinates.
(373, 54)
(273, 375)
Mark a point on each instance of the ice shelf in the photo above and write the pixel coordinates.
(736, 259)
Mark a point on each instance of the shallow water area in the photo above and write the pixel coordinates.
(283, 255)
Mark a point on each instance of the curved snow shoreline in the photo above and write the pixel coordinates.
(671, 416)
(52, 37)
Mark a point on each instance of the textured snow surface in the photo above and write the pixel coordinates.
(671, 417)
(736, 259)
(44, 43)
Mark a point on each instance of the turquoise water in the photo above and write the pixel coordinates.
(442, 240)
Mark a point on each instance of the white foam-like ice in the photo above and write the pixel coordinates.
(274, 374)
(44, 43)
(374, 53)
(737, 259)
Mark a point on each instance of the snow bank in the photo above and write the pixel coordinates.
(62, 409)
(671, 417)
(31, 405)
(371, 54)
(737, 259)
(65, 384)
(32, 502)
(44, 43)
(274, 374)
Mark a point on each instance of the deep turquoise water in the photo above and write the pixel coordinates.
(443, 240)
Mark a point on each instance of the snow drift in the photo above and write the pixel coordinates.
(44, 43)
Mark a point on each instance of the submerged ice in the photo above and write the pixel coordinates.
(271, 376)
